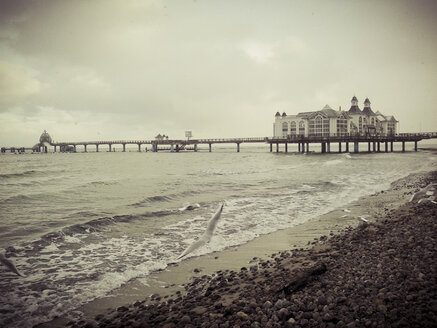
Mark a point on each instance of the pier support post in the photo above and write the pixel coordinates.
(298, 147)
(238, 147)
(195, 148)
(379, 147)
(46, 150)
(403, 146)
(55, 149)
(356, 147)
(286, 147)
(347, 146)
(84, 148)
(110, 147)
(277, 147)
(339, 147)
(391, 146)
(124, 148)
(415, 145)
(271, 147)
(386, 146)
(323, 146)
(139, 148)
(374, 146)
(369, 146)
(328, 147)
(210, 147)
(97, 148)
(308, 147)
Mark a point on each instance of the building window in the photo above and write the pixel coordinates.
(293, 128)
(301, 128)
(391, 128)
(341, 126)
(285, 127)
(373, 121)
(319, 126)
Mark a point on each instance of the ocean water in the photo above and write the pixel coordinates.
(80, 225)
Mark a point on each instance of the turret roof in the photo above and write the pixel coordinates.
(354, 109)
(368, 111)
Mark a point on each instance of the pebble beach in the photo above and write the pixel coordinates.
(376, 274)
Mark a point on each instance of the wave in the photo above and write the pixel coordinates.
(152, 199)
(97, 225)
(31, 198)
(17, 175)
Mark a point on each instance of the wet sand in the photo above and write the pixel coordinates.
(240, 286)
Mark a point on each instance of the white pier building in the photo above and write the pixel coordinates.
(330, 122)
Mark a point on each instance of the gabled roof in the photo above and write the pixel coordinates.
(326, 112)
(380, 117)
(329, 111)
(391, 118)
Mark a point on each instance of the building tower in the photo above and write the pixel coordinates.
(354, 106)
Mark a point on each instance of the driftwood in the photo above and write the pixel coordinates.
(302, 279)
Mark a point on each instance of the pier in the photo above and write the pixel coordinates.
(345, 143)
(351, 143)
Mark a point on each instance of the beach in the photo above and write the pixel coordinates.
(331, 271)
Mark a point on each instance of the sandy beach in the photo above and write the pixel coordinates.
(332, 271)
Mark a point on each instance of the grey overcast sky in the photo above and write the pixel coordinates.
(130, 69)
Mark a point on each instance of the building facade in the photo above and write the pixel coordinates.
(329, 122)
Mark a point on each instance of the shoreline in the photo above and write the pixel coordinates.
(171, 281)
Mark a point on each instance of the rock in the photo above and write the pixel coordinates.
(243, 316)
(267, 304)
(185, 319)
(278, 304)
(283, 314)
(122, 309)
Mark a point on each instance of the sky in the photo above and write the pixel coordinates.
(130, 69)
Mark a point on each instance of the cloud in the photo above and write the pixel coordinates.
(258, 51)
(17, 85)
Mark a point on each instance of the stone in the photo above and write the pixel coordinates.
(242, 316)
(185, 319)
(283, 314)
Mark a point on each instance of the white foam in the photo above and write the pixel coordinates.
(72, 239)
(334, 162)
(50, 248)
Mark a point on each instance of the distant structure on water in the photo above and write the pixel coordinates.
(329, 122)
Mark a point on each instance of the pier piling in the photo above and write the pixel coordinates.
(356, 147)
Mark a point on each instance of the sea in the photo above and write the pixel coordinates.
(80, 225)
